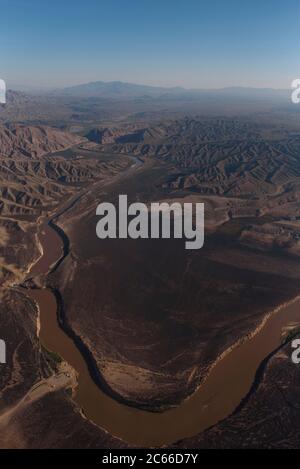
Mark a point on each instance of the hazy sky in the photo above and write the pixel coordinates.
(191, 43)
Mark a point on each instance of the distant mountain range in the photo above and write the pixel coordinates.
(122, 90)
(116, 89)
(93, 102)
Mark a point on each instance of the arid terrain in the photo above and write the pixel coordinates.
(269, 418)
(149, 318)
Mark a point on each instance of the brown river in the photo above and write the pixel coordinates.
(227, 383)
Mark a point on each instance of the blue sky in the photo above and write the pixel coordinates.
(191, 43)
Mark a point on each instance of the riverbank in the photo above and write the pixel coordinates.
(218, 395)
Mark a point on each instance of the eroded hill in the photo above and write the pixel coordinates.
(158, 317)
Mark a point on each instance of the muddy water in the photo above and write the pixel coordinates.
(51, 246)
(227, 383)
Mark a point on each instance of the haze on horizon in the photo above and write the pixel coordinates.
(193, 43)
